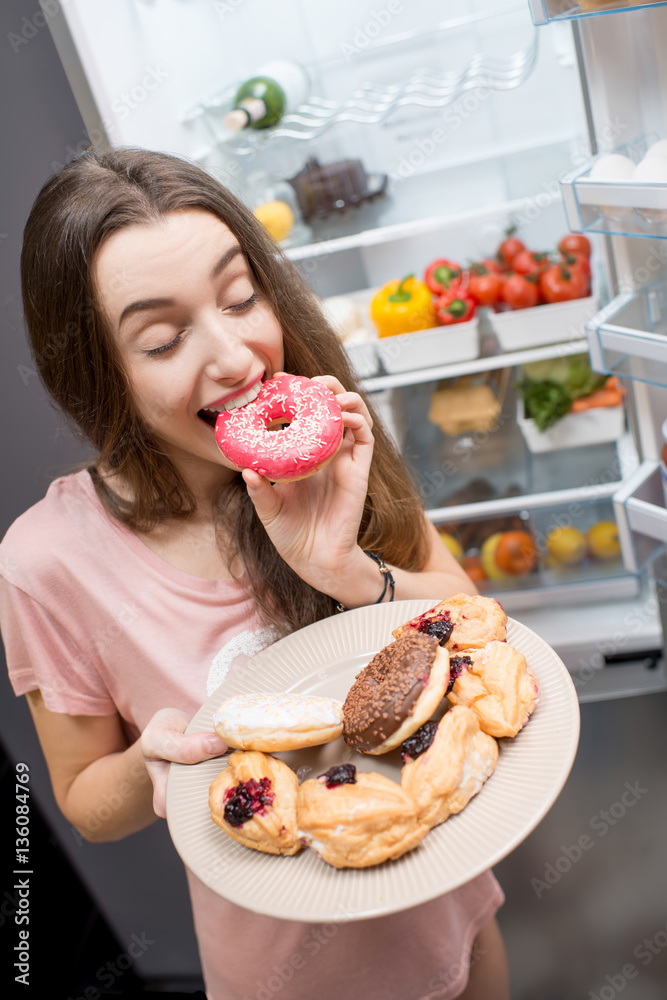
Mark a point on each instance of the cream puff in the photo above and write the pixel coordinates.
(395, 693)
(276, 722)
(254, 801)
(451, 764)
(497, 685)
(356, 819)
(460, 622)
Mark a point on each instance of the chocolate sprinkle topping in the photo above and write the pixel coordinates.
(387, 690)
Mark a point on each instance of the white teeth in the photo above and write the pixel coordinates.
(233, 404)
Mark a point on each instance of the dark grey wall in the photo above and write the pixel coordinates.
(139, 883)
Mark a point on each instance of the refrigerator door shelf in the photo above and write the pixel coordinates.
(641, 516)
(616, 207)
(629, 336)
(546, 11)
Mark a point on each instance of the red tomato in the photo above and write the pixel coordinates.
(575, 243)
(529, 262)
(560, 283)
(508, 250)
(491, 264)
(483, 285)
(579, 260)
(520, 291)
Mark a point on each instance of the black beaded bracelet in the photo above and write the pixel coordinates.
(388, 579)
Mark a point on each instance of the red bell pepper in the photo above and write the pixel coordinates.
(455, 306)
(442, 275)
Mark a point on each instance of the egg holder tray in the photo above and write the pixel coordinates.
(618, 207)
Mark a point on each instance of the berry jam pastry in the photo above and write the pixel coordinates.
(461, 622)
(395, 693)
(254, 801)
(355, 824)
(444, 778)
(498, 687)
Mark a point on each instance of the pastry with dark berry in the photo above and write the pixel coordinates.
(460, 622)
(395, 693)
(254, 801)
(448, 767)
(354, 819)
(499, 687)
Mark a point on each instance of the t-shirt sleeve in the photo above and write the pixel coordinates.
(41, 653)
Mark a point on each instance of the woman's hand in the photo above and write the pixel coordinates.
(164, 740)
(314, 522)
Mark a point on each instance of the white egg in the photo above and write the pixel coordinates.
(652, 170)
(657, 149)
(614, 167)
(342, 314)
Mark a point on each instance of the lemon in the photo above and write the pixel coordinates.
(452, 544)
(566, 545)
(277, 218)
(488, 556)
(603, 540)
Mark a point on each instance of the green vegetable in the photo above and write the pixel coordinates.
(546, 402)
(549, 387)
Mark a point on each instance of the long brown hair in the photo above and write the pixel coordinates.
(92, 197)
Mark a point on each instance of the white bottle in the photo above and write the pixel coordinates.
(276, 89)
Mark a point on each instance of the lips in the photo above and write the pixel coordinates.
(209, 414)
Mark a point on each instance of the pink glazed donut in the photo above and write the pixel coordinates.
(247, 439)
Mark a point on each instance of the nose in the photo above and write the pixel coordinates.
(226, 342)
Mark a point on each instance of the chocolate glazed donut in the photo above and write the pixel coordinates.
(398, 691)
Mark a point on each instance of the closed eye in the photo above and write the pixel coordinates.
(242, 306)
(155, 351)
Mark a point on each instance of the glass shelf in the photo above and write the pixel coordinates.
(629, 336)
(546, 11)
(618, 208)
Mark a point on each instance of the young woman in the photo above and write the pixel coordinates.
(153, 299)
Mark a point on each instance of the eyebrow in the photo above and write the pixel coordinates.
(143, 305)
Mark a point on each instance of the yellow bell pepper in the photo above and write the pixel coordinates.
(403, 307)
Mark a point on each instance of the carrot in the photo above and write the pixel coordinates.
(601, 397)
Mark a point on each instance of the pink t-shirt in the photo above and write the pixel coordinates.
(100, 623)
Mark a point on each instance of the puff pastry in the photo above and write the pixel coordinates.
(499, 688)
(444, 778)
(254, 801)
(460, 622)
(275, 722)
(358, 823)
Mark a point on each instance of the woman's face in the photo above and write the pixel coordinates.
(194, 333)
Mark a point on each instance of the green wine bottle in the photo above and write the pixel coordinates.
(260, 102)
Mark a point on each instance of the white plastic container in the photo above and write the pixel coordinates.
(545, 324)
(595, 426)
(363, 358)
(441, 345)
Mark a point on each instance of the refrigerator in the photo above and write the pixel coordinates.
(439, 126)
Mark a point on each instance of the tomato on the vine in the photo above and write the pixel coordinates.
(575, 243)
(520, 291)
(529, 262)
(484, 285)
(579, 260)
(509, 248)
(561, 284)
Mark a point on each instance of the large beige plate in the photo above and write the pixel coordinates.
(324, 659)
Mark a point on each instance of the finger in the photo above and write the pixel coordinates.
(264, 496)
(331, 382)
(352, 402)
(164, 740)
(359, 426)
(158, 772)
